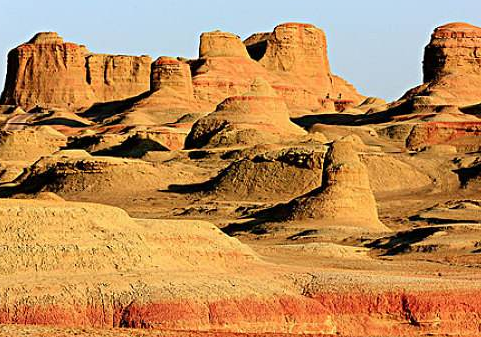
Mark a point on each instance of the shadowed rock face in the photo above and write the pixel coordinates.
(297, 48)
(454, 48)
(345, 197)
(452, 66)
(48, 72)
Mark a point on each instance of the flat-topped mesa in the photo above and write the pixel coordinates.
(47, 72)
(51, 73)
(221, 44)
(451, 67)
(46, 38)
(292, 47)
(455, 48)
(171, 73)
(297, 54)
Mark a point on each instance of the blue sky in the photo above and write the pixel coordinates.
(375, 44)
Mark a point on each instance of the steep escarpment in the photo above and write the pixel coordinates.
(293, 59)
(48, 72)
(297, 53)
(452, 65)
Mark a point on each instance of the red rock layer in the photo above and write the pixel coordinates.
(293, 59)
(463, 135)
(48, 72)
(347, 314)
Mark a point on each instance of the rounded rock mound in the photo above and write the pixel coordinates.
(73, 175)
(30, 144)
(46, 236)
(258, 116)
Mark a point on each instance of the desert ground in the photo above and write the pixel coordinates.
(247, 192)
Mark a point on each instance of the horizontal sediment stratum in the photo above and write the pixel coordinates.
(246, 192)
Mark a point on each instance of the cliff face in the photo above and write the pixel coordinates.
(297, 53)
(51, 73)
(223, 44)
(297, 48)
(454, 49)
(116, 77)
(293, 59)
(452, 66)
(170, 73)
(48, 72)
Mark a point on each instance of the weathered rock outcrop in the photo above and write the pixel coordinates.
(171, 73)
(117, 77)
(293, 47)
(51, 73)
(298, 54)
(345, 197)
(275, 175)
(74, 174)
(258, 116)
(293, 59)
(223, 44)
(48, 72)
(30, 144)
(171, 95)
(452, 65)
(223, 69)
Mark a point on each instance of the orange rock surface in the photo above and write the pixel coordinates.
(257, 116)
(452, 65)
(48, 72)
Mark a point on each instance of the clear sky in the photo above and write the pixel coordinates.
(375, 44)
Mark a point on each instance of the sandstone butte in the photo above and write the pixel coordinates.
(48, 72)
(247, 192)
(345, 196)
(452, 65)
(444, 109)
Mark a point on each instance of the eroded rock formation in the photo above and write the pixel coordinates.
(30, 144)
(452, 65)
(257, 116)
(298, 54)
(48, 72)
(345, 197)
(171, 96)
(293, 59)
(221, 44)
